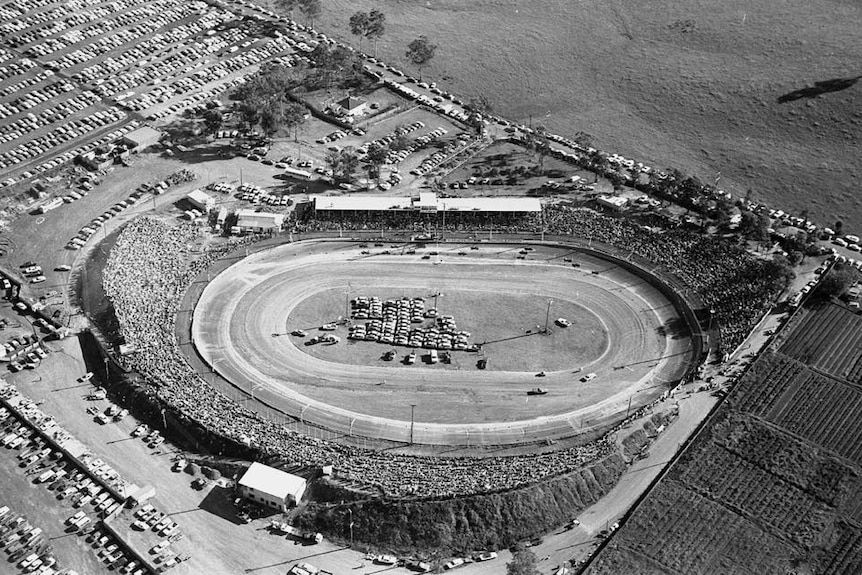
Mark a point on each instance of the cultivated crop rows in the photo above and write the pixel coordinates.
(689, 533)
(845, 557)
(826, 412)
(757, 394)
(829, 340)
(765, 498)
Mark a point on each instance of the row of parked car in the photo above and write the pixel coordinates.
(26, 544)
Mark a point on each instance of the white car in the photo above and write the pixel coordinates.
(563, 322)
(588, 377)
(38, 279)
(328, 327)
(457, 562)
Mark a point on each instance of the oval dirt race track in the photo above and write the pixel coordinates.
(241, 310)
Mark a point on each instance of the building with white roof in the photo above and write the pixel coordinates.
(272, 487)
(615, 203)
(201, 200)
(250, 221)
(426, 203)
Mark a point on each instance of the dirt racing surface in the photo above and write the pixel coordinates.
(242, 323)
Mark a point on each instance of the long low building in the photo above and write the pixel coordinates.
(425, 203)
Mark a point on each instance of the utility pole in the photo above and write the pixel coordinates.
(547, 317)
(412, 409)
(350, 525)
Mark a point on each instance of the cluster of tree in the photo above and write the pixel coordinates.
(368, 25)
(524, 562)
(343, 163)
(838, 281)
(309, 8)
(332, 65)
(265, 101)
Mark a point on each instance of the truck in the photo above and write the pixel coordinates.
(307, 536)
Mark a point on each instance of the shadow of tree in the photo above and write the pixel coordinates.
(824, 87)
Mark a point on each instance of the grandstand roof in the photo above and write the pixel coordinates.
(427, 201)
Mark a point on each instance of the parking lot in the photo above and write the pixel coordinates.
(71, 73)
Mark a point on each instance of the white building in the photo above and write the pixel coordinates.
(251, 221)
(201, 200)
(271, 487)
(615, 203)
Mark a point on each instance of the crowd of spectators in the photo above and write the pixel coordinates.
(148, 272)
(154, 263)
(735, 285)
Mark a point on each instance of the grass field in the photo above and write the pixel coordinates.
(497, 320)
(694, 85)
(775, 475)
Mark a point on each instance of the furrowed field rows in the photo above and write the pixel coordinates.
(827, 478)
(766, 499)
(826, 412)
(689, 533)
(845, 556)
(830, 340)
(764, 384)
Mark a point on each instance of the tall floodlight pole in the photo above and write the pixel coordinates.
(412, 409)
(547, 316)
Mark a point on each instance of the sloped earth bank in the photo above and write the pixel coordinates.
(692, 85)
(488, 521)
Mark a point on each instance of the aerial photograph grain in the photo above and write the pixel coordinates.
(380, 287)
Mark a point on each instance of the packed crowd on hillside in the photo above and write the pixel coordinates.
(146, 276)
(150, 269)
(735, 285)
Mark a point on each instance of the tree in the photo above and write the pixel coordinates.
(287, 6)
(837, 282)
(376, 27)
(310, 9)
(293, 115)
(839, 225)
(213, 120)
(376, 157)
(419, 52)
(523, 562)
(754, 226)
(583, 139)
(343, 163)
(359, 24)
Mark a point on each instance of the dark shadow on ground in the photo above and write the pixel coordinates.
(824, 87)
(219, 502)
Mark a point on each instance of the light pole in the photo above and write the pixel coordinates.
(350, 525)
(412, 409)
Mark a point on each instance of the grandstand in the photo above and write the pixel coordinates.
(375, 208)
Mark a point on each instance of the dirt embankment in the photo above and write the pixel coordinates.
(488, 521)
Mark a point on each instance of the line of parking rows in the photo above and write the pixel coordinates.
(26, 544)
(78, 483)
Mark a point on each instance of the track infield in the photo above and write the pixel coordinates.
(624, 330)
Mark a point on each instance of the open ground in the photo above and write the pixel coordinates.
(630, 337)
(691, 85)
